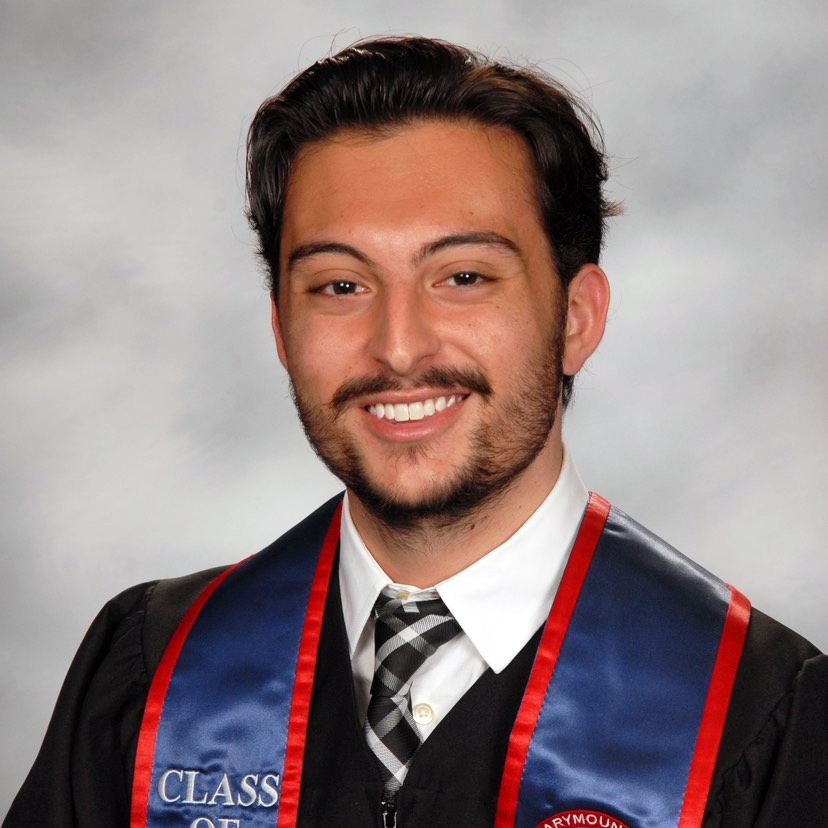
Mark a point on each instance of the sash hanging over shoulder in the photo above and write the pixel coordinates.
(223, 733)
(623, 714)
(619, 726)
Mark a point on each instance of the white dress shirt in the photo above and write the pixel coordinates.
(499, 601)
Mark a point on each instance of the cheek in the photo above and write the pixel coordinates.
(320, 358)
(523, 347)
(509, 334)
(498, 351)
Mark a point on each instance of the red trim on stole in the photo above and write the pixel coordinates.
(145, 754)
(303, 683)
(547, 657)
(715, 710)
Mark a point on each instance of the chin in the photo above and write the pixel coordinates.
(459, 496)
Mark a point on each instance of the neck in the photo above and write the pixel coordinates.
(432, 549)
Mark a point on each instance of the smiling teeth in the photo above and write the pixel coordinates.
(403, 412)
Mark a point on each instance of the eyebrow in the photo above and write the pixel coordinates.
(485, 238)
(306, 251)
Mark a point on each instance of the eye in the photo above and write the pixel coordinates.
(341, 287)
(465, 278)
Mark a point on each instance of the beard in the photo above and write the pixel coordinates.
(514, 428)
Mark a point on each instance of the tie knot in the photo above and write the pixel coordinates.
(407, 632)
(408, 609)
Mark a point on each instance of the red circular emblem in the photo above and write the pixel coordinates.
(581, 819)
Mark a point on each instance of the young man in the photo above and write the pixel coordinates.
(469, 638)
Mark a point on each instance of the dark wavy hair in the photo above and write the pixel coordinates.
(383, 84)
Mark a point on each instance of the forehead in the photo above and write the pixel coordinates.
(437, 174)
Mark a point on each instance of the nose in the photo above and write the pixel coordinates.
(404, 334)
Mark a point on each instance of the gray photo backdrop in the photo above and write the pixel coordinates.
(147, 428)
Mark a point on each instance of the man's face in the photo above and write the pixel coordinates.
(420, 316)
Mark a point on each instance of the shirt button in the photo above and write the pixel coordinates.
(423, 714)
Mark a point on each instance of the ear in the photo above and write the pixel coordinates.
(586, 316)
(277, 330)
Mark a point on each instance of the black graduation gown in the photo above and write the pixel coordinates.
(771, 771)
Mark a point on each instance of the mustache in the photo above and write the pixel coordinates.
(441, 377)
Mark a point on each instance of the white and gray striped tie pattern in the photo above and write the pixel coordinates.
(407, 632)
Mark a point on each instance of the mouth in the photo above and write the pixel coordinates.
(412, 411)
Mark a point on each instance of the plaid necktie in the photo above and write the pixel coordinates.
(407, 632)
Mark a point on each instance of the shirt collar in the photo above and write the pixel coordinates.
(516, 581)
